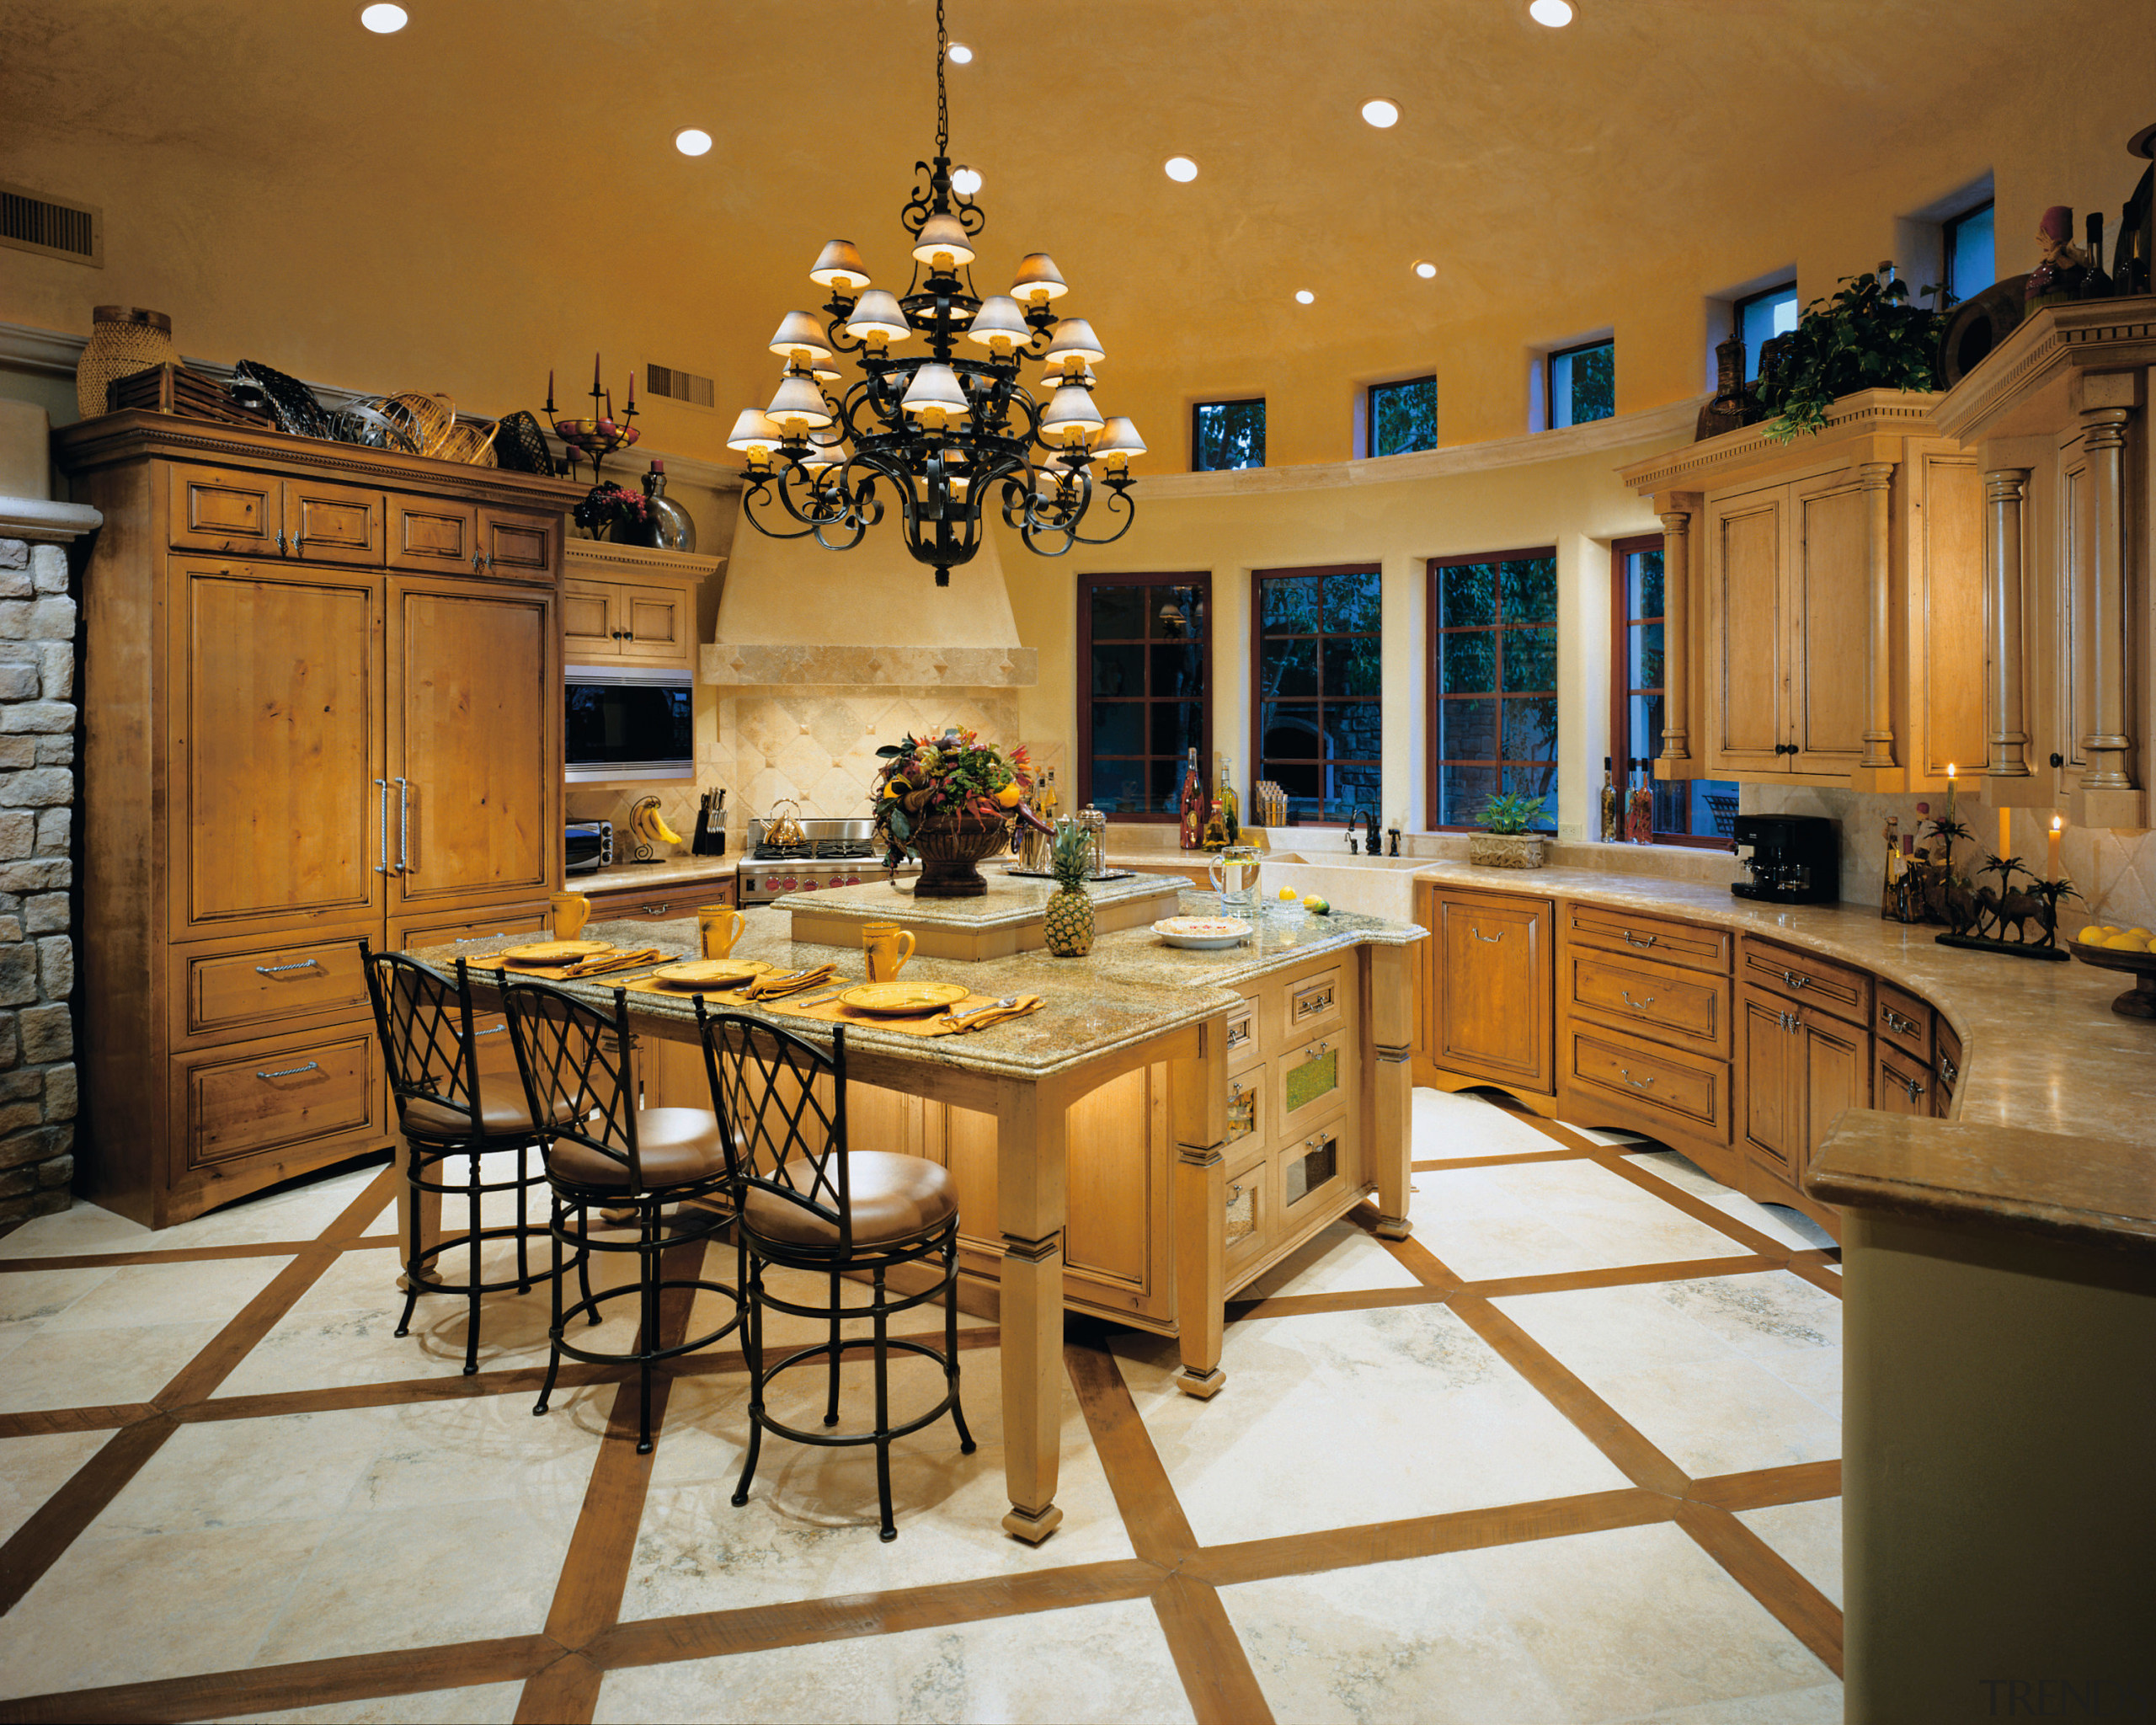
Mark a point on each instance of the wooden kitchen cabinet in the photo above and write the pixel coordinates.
(632, 603)
(299, 732)
(1492, 983)
(1825, 622)
(1798, 1068)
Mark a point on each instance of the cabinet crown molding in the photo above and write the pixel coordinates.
(602, 557)
(2011, 393)
(1867, 426)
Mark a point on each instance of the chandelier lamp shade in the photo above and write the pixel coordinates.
(942, 423)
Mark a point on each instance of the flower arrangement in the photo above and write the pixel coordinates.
(608, 505)
(956, 776)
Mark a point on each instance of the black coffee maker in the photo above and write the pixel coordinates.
(1793, 859)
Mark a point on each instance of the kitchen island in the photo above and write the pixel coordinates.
(1169, 1125)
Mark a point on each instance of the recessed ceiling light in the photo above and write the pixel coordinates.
(965, 181)
(691, 142)
(1425, 268)
(1181, 167)
(383, 19)
(1303, 296)
(960, 54)
(1556, 13)
(1381, 114)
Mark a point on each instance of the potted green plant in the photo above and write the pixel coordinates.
(1867, 336)
(1506, 842)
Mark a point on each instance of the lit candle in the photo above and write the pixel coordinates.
(2005, 832)
(1950, 793)
(2051, 867)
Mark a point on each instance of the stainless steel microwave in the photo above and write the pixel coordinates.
(623, 721)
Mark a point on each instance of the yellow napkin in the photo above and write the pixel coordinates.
(981, 1017)
(769, 986)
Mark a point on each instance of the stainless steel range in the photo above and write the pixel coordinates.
(832, 853)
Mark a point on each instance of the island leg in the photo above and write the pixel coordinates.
(1390, 1123)
(1198, 1115)
(1031, 1172)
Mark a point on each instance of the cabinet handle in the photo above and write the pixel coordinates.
(654, 910)
(404, 825)
(1791, 979)
(381, 810)
(1633, 940)
(479, 562)
(1948, 1071)
(1492, 938)
(279, 970)
(1914, 1089)
(280, 542)
(292, 1072)
(1896, 1022)
(1625, 1073)
(1636, 1006)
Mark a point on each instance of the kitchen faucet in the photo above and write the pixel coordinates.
(1369, 829)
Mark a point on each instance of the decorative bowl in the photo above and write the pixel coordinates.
(2138, 1002)
(1203, 934)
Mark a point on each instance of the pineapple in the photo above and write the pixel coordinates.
(1069, 926)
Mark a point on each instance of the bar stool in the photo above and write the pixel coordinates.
(446, 1109)
(608, 1154)
(810, 1203)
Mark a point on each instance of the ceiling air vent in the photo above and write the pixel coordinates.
(32, 222)
(678, 385)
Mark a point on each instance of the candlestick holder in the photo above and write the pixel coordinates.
(2020, 921)
(600, 436)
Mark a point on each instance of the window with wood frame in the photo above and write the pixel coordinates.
(1699, 811)
(1144, 693)
(1493, 683)
(1316, 688)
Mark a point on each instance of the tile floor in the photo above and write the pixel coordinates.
(1570, 1454)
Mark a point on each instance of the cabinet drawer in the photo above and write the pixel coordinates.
(1247, 1220)
(1315, 1170)
(1900, 1085)
(1904, 1021)
(1246, 1108)
(1691, 945)
(1947, 1063)
(522, 919)
(1661, 1002)
(1246, 1047)
(519, 547)
(333, 523)
(1648, 1083)
(427, 535)
(229, 510)
(1311, 1082)
(274, 1096)
(661, 903)
(270, 985)
(1839, 989)
(1314, 1003)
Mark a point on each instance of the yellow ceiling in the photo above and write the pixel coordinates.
(493, 189)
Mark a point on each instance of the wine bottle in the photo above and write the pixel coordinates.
(2096, 282)
(1192, 805)
(1640, 815)
(1610, 833)
(1229, 807)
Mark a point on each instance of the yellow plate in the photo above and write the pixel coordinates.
(904, 1000)
(711, 972)
(557, 952)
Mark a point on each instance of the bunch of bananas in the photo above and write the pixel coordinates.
(648, 824)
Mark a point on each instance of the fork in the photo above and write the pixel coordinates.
(957, 1020)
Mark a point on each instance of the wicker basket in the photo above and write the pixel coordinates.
(124, 340)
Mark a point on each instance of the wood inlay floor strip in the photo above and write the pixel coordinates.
(1797, 1482)
(1769, 1578)
(41, 1541)
(1160, 1532)
(39, 1423)
(1209, 1655)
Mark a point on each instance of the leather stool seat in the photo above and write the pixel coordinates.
(675, 1147)
(502, 1113)
(892, 1196)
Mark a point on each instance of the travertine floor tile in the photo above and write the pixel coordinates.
(1337, 1419)
(1338, 1259)
(1450, 1125)
(1792, 1227)
(33, 1468)
(1530, 1218)
(1809, 1535)
(300, 1214)
(483, 1704)
(1108, 1662)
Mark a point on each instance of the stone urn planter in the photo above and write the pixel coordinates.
(951, 848)
(1507, 850)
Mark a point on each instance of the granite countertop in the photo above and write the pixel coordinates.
(674, 871)
(2054, 1129)
(1131, 988)
(1010, 902)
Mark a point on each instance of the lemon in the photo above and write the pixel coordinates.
(2138, 929)
(2090, 935)
(2127, 942)
(1316, 906)
(1286, 895)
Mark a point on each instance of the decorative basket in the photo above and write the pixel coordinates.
(951, 848)
(124, 340)
(290, 402)
(1506, 850)
(520, 445)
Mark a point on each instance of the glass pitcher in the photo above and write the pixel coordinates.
(1235, 876)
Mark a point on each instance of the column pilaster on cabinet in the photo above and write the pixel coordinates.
(1877, 479)
(2107, 745)
(1675, 625)
(2006, 491)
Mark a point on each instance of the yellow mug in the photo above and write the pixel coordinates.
(568, 913)
(889, 947)
(717, 927)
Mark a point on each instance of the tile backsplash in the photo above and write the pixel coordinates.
(2116, 872)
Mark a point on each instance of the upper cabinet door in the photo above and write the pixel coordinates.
(425, 533)
(273, 747)
(327, 523)
(475, 729)
(1748, 645)
(591, 625)
(657, 624)
(1830, 600)
(518, 547)
(230, 511)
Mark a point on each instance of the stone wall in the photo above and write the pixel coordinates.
(37, 956)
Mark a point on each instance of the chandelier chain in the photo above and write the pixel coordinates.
(942, 101)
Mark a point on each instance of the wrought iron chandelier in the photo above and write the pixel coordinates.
(946, 430)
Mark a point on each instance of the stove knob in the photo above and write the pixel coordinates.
(809, 886)
(787, 885)
(853, 880)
